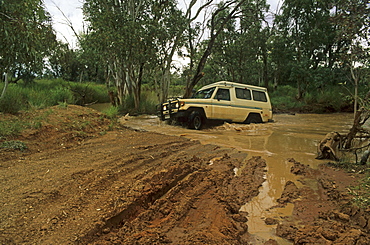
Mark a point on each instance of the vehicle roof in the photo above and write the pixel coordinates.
(232, 84)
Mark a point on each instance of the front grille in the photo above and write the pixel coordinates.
(167, 109)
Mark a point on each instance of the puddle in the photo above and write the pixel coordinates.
(290, 136)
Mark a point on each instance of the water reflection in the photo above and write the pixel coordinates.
(291, 136)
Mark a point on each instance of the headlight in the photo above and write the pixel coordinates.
(177, 105)
(164, 108)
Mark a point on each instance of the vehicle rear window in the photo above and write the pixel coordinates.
(242, 93)
(259, 96)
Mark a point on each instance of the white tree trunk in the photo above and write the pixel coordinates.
(5, 86)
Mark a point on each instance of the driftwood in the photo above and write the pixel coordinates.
(355, 141)
(328, 147)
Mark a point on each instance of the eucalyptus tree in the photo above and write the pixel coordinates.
(117, 30)
(217, 23)
(309, 36)
(26, 36)
(169, 24)
(133, 36)
(352, 21)
(316, 35)
(240, 52)
(67, 64)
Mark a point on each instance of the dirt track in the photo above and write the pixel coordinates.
(122, 187)
(80, 183)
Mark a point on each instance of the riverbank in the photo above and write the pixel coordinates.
(324, 213)
(82, 179)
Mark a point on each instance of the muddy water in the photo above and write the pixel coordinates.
(290, 136)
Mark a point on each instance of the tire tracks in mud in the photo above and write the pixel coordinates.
(127, 187)
(186, 204)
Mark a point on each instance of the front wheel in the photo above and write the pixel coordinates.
(196, 120)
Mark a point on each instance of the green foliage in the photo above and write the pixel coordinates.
(61, 94)
(13, 101)
(44, 93)
(11, 128)
(26, 37)
(330, 99)
(283, 98)
(63, 104)
(85, 93)
(360, 192)
(147, 105)
(14, 145)
(112, 112)
(133, 39)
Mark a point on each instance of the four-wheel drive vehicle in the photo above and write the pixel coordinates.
(226, 101)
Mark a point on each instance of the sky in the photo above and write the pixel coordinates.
(72, 9)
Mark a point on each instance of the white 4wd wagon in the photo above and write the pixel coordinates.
(226, 101)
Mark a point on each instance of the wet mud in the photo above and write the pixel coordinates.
(122, 187)
(83, 182)
(323, 209)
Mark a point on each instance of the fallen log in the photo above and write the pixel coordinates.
(328, 147)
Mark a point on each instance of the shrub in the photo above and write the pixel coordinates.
(38, 99)
(10, 128)
(147, 105)
(61, 94)
(148, 102)
(283, 98)
(85, 93)
(13, 100)
(14, 145)
(329, 99)
(112, 112)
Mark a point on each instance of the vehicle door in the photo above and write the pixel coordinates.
(242, 104)
(221, 104)
(261, 100)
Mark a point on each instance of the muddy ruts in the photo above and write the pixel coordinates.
(186, 204)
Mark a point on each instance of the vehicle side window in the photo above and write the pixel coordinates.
(244, 94)
(204, 94)
(259, 96)
(223, 94)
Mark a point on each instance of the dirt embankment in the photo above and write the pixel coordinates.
(323, 210)
(79, 183)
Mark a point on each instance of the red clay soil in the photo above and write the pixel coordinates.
(84, 181)
(323, 211)
(79, 183)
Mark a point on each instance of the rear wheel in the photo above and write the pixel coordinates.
(196, 120)
(253, 118)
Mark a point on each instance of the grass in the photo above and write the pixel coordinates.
(112, 112)
(14, 145)
(45, 93)
(361, 192)
(147, 105)
(13, 127)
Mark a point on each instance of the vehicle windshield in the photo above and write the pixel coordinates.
(204, 94)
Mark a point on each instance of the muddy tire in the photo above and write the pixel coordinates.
(196, 120)
(253, 118)
(171, 122)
